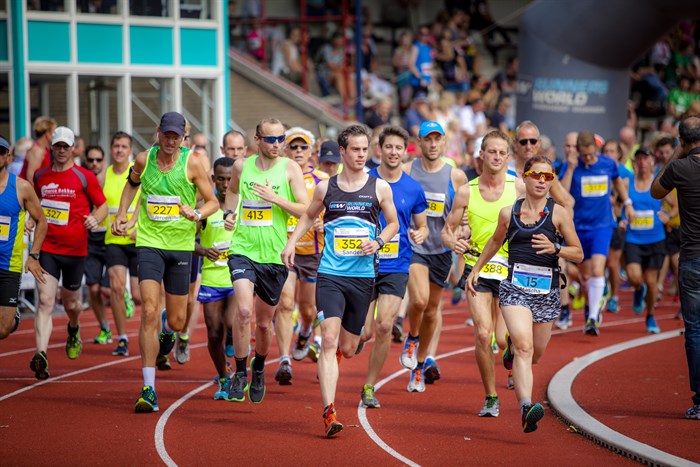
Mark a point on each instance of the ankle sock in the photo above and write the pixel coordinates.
(259, 362)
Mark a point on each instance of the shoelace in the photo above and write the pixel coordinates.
(411, 347)
(490, 402)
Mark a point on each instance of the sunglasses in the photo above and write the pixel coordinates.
(303, 147)
(548, 176)
(524, 141)
(91, 159)
(273, 139)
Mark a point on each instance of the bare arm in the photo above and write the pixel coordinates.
(32, 205)
(562, 196)
(622, 191)
(657, 190)
(200, 177)
(572, 251)
(491, 247)
(233, 195)
(449, 235)
(386, 203)
(295, 177)
(420, 233)
(304, 223)
(119, 226)
(35, 157)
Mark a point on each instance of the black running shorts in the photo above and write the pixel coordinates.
(172, 268)
(268, 279)
(71, 268)
(347, 298)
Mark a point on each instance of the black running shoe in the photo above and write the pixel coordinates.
(238, 387)
(531, 415)
(40, 365)
(256, 389)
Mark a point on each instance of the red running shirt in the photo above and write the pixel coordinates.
(66, 199)
(47, 161)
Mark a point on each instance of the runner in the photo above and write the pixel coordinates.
(353, 201)
(16, 200)
(395, 256)
(529, 296)
(270, 189)
(482, 200)
(308, 255)
(39, 156)
(216, 292)
(431, 261)
(169, 180)
(67, 193)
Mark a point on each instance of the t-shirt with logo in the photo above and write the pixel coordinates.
(66, 198)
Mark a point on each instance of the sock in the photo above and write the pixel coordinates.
(123, 336)
(411, 337)
(149, 376)
(399, 321)
(305, 331)
(73, 330)
(285, 358)
(419, 366)
(318, 340)
(524, 403)
(240, 364)
(104, 326)
(596, 286)
(259, 362)
(565, 309)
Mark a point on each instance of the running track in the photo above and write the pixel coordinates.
(84, 415)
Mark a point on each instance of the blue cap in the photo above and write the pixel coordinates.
(4, 144)
(172, 121)
(430, 127)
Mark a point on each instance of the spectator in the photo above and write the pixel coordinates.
(421, 63)
(255, 40)
(401, 60)
(380, 114)
(420, 112)
(330, 70)
(471, 116)
(499, 118)
(453, 69)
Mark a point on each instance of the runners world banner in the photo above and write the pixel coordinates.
(575, 60)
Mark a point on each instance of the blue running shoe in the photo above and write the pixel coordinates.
(167, 339)
(508, 354)
(652, 327)
(409, 355)
(122, 349)
(431, 371)
(228, 346)
(222, 393)
(613, 305)
(531, 415)
(148, 402)
(638, 303)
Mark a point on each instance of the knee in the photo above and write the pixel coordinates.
(348, 351)
(176, 323)
(329, 343)
(383, 329)
(484, 336)
(150, 319)
(523, 349)
(244, 314)
(419, 303)
(286, 304)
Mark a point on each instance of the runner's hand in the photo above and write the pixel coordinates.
(213, 254)
(264, 192)
(187, 212)
(416, 236)
(318, 225)
(369, 247)
(542, 244)
(119, 226)
(35, 268)
(461, 245)
(230, 222)
(90, 222)
(287, 256)
(472, 280)
(29, 226)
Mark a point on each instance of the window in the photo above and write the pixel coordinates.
(195, 9)
(99, 118)
(46, 5)
(149, 7)
(104, 7)
(150, 98)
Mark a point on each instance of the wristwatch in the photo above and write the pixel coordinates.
(198, 214)
(380, 242)
(35, 256)
(227, 212)
(557, 248)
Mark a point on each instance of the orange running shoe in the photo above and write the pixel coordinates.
(331, 425)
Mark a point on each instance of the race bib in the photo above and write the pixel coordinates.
(390, 250)
(436, 204)
(594, 186)
(532, 279)
(496, 269)
(348, 241)
(643, 220)
(56, 212)
(256, 213)
(223, 248)
(4, 228)
(163, 208)
(292, 224)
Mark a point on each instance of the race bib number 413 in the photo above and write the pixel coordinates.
(348, 241)
(256, 213)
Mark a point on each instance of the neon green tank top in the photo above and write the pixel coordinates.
(261, 227)
(216, 273)
(160, 224)
(114, 185)
(483, 219)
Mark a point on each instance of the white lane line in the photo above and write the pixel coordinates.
(562, 401)
(113, 381)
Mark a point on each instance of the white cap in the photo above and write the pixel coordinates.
(298, 132)
(63, 134)
(477, 147)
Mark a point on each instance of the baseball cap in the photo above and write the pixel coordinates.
(330, 152)
(298, 132)
(172, 121)
(430, 127)
(643, 150)
(63, 134)
(4, 144)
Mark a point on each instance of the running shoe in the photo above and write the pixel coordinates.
(283, 375)
(431, 371)
(238, 387)
(129, 304)
(330, 424)
(368, 399)
(693, 413)
(409, 353)
(511, 383)
(652, 327)
(182, 349)
(638, 300)
(494, 344)
(578, 302)
(74, 345)
(491, 406)
(613, 305)
(314, 351)
(591, 328)
(456, 295)
(564, 320)
(416, 383)
(222, 392)
(18, 318)
(163, 362)
(104, 337)
(148, 402)
(295, 321)
(508, 354)
(397, 333)
(531, 415)
(228, 346)
(122, 349)
(39, 364)
(301, 348)
(167, 339)
(256, 388)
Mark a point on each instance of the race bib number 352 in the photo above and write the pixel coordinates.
(348, 241)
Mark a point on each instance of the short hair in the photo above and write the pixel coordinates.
(585, 139)
(121, 135)
(665, 141)
(266, 121)
(493, 135)
(689, 129)
(393, 131)
(615, 142)
(352, 130)
(224, 162)
(526, 123)
(231, 133)
(537, 159)
(43, 124)
(94, 147)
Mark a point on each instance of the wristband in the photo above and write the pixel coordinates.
(380, 242)
(557, 248)
(198, 214)
(227, 212)
(627, 202)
